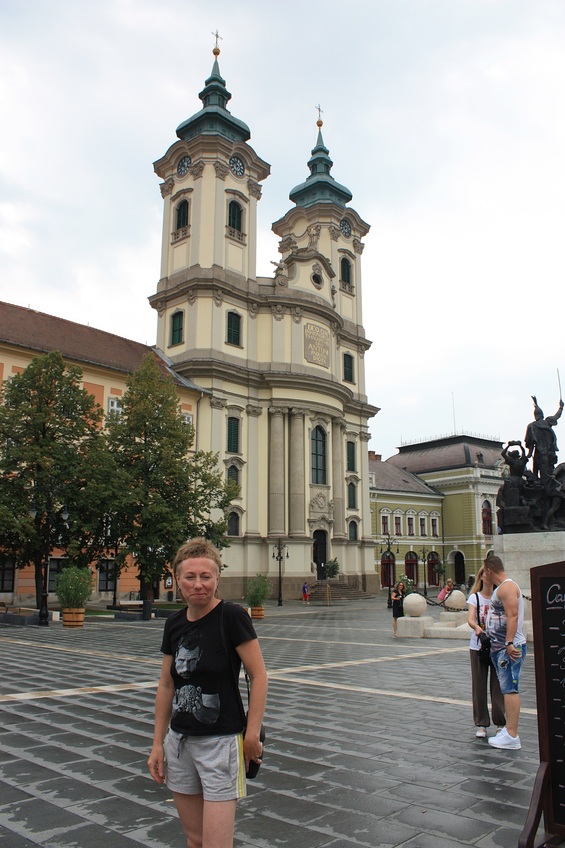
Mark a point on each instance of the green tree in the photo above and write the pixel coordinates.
(168, 494)
(49, 436)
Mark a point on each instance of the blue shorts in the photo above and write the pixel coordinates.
(211, 766)
(508, 671)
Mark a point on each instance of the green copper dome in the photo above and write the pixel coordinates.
(320, 187)
(214, 118)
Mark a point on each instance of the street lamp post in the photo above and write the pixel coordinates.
(279, 555)
(424, 553)
(388, 542)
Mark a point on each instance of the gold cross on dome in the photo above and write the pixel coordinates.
(320, 111)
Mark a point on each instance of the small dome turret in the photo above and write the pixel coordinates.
(320, 187)
(214, 118)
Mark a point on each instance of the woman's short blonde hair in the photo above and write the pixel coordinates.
(197, 548)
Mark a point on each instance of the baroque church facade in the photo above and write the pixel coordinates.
(281, 359)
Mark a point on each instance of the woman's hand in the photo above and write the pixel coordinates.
(156, 763)
(252, 750)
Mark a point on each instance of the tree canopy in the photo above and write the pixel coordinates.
(170, 493)
(49, 430)
(133, 489)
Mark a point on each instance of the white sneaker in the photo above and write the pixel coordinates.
(481, 733)
(504, 740)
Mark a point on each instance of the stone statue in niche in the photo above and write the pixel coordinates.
(531, 500)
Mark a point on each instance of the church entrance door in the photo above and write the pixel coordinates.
(320, 552)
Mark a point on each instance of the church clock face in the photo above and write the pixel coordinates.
(236, 166)
(183, 166)
(345, 227)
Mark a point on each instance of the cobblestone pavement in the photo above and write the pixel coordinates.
(370, 739)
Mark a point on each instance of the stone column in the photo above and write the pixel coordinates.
(276, 472)
(338, 480)
(254, 472)
(297, 499)
(366, 529)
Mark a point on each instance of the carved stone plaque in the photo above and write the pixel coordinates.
(317, 345)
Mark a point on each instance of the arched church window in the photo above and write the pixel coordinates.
(233, 474)
(352, 496)
(234, 215)
(346, 275)
(353, 531)
(177, 328)
(318, 450)
(182, 214)
(233, 524)
(487, 518)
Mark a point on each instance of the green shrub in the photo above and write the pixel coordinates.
(332, 568)
(259, 588)
(73, 587)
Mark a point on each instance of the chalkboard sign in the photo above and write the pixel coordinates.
(548, 611)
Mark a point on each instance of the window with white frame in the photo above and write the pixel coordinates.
(115, 407)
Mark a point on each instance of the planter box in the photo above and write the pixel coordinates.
(73, 617)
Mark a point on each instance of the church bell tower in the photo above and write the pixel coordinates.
(281, 358)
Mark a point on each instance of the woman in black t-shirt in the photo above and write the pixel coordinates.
(198, 748)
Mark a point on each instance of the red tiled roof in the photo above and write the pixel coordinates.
(40, 332)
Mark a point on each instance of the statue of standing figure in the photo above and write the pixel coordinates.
(540, 440)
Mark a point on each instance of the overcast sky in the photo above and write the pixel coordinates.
(445, 119)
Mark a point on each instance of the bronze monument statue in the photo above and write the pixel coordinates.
(533, 500)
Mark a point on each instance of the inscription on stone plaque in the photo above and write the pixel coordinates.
(317, 345)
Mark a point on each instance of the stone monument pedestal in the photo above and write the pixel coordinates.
(522, 551)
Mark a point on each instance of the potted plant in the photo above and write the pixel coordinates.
(258, 590)
(73, 587)
(331, 569)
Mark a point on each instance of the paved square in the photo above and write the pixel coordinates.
(370, 739)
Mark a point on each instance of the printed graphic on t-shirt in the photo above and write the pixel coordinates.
(189, 698)
(496, 621)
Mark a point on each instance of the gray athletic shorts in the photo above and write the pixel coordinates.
(211, 766)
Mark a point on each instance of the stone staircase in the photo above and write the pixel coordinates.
(341, 591)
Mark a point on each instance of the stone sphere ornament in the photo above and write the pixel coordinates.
(414, 605)
(456, 601)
